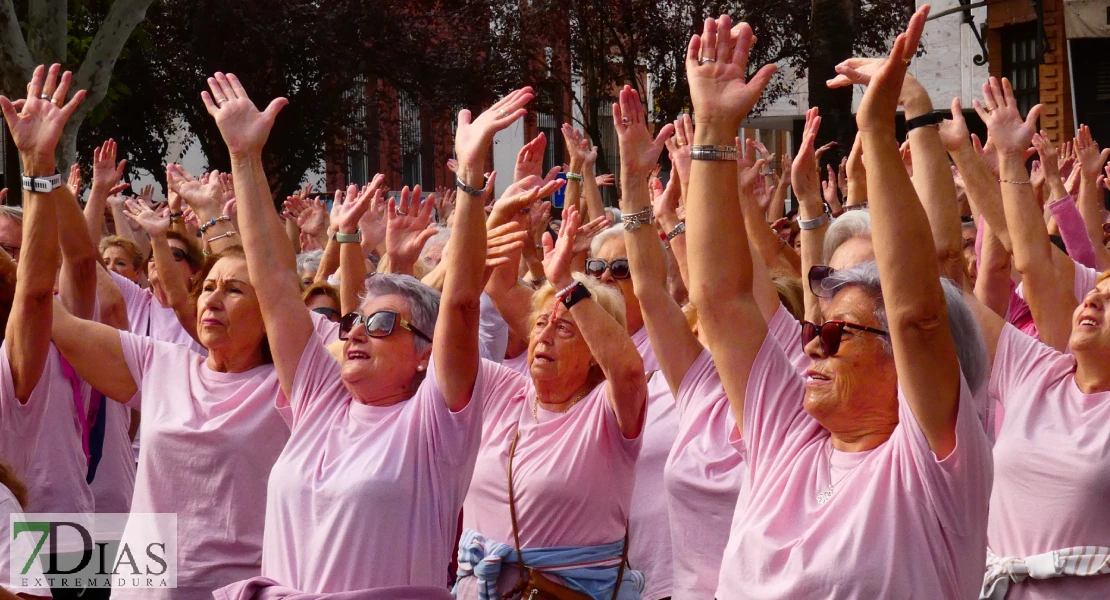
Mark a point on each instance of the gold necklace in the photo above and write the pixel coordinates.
(536, 404)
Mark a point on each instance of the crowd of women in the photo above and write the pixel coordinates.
(900, 393)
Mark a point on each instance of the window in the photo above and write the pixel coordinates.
(359, 152)
(1020, 63)
(411, 143)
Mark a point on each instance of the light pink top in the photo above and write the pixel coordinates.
(900, 524)
(1052, 464)
(115, 475)
(643, 346)
(703, 476)
(9, 506)
(209, 441)
(41, 438)
(147, 317)
(369, 496)
(1084, 282)
(650, 522)
(518, 364)
(573, 472)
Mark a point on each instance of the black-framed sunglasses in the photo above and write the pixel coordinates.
(831, 332)
(817, 275)
(618, 268)
(378, 325)
(329, 313)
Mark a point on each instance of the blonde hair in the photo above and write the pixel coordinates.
(610, 299)
(789, 288)
(138, 259)
(321, 288)
(1103, 276)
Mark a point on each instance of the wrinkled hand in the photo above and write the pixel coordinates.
(350, 208)
(37, 126)
(1049, 163)
(74, 181)
(155, 223)
(244, 129)
(204, 197)
(409, 226)
(606, 180)
(719, 89)
(529, 161)
(314, 220)
(502, 243)
(638, 152)
(666, 201)
(884, 91)
(679, 146)
(1086, 150)
(1005, 127)
(557, 255)
(106, 172)
(587, 232)
(953, 131)
(473, 138)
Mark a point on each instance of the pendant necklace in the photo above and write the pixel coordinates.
(826, 494)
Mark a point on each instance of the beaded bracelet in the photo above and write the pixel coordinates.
(211, 222)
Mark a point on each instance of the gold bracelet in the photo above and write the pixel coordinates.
(1012, 182)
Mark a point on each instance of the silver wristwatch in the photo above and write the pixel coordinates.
(816, 222)
(349, 238)
(713, 153)
(42, 185)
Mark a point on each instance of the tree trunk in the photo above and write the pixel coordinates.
(832, 33)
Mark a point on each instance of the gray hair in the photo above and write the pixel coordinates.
(439, 240)
(14, 213)
(423, 300)
(309, 261)
(605, 235)
(970, 347)
(852, 224)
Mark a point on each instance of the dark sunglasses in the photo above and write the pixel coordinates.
(595, 267)
(178, 255)
(378, 325)
(831, 332)
(329, 313)
(817, 276)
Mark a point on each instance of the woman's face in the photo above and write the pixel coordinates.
(324, 301)
(229, 319)
(181, 269)
(307, 277)
(1090, 328)
(377, 369)
(119, 261)
(611, 250)
(556, 349)
(856, 389)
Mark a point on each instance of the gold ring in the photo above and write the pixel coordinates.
(906, 61)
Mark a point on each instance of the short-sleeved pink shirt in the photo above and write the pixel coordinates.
(650, 521)
(369, 496)
(573, 472)
(1052, 464)
(900, 522)
(209, 441)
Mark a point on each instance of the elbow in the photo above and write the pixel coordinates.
(920, 319)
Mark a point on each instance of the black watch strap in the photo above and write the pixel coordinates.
(576, 295)
(925, 120)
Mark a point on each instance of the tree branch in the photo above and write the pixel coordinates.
(96, 70)
(16, 63)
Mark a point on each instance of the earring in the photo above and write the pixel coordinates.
(419, 368)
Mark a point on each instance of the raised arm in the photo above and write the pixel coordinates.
(855, 176)
(352, 209)
(105, 183)
(666, 323)
(723, 290)
(410, 223)
(95, 352)
(1063, 212)
(206, 197)
(812, 213)
(270, 259)
(573, 140)
(772, 250)
(924, 351)
(1051, 300)
(80, 257)
(35, 130)
(1090, 200)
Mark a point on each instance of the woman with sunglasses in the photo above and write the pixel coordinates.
(1046, 534)
(570, 433)
(871, 475)
(368, 490)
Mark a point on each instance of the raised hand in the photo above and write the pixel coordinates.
(587, 232)
(830, 191)
(204, 197)
(314, 220)
(557, 255)
(37, 126)
(1049, 163)
(749, 168)
(409, 226)
(147, 195)
(1086, 150)
(999, 110)
(638, 152)
(807, 180)
(953, 131)
(529, 161)
(606, 180)
(445, 205)
(74, 181)
(716, 66)
(244, 129)
(106, 172)
(666, 201)
(348, 213)
(679, 146)
(373, 223)
(155, 223)
(880, 101)
(473, 137)
(822, 150)
(842, 177)
(538, 218)
(520, 197)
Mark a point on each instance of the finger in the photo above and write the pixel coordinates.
(34, 89)
(982, 112)
(1033, 116)
(209, 104)
(745, 39)
(51, 82)
(9, 111)
(72, 105)
(725, 41)
(709, 39)
(762, 78)
(58, 98)
(118, 188)
(1008, 92)
(692, 50)
(226, 87)
(236, 86)
(274, 108)
(996, 92)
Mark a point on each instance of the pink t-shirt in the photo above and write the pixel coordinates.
(1052, 463)
(115, 475)
(42, 438)
(369, 496)
(787, 331)
(649, 521)
(209, 441)
(901, 523)
(647, 352)
(1084, 282)
(9, 506)
(573, 472)
(147, 317)
(703, 477)
(518, 364)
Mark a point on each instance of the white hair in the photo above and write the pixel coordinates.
(423, 300)
(309, 261)
(14, 213)
(852, 224)
(605, 235)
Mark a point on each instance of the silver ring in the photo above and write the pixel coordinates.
(502, 112)
(44, 96)
(625, 121)
(401, 213)
(221, 101)
(706, 59)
